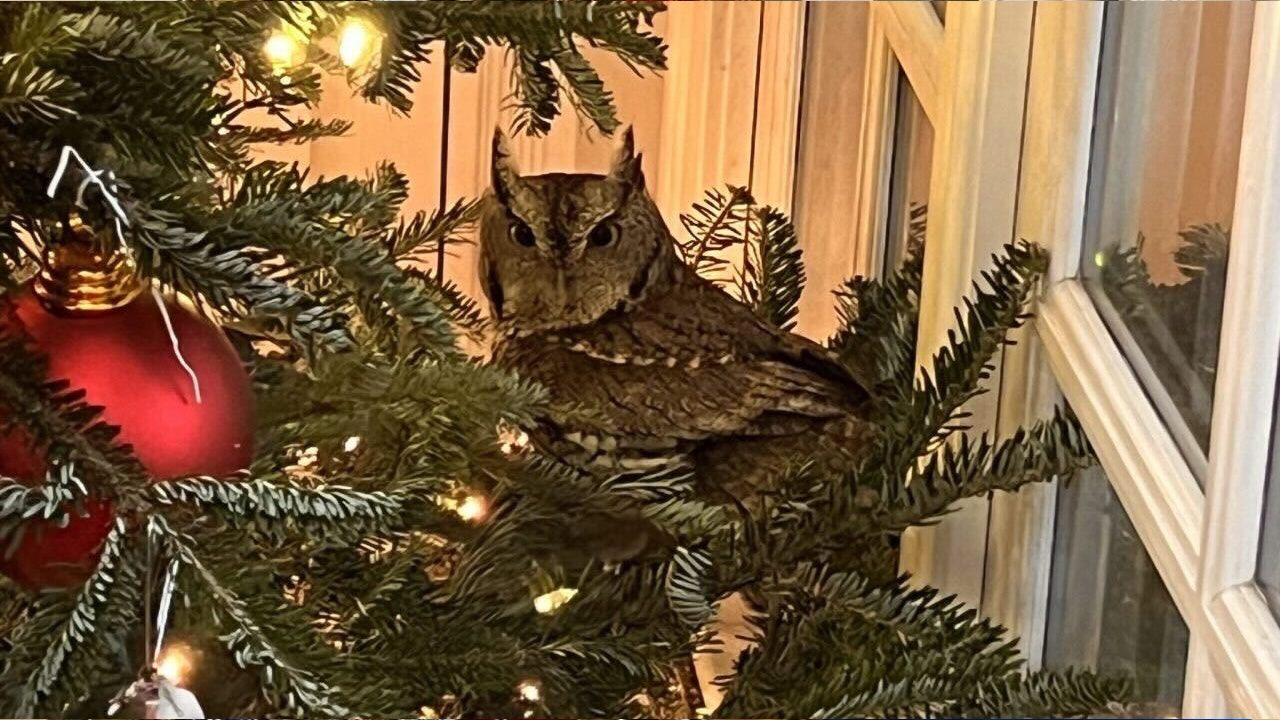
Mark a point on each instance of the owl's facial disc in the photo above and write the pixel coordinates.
(563, 250)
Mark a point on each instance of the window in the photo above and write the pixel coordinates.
(1166, 150)
(1108, 608)
(1156, 131)
(909, 177)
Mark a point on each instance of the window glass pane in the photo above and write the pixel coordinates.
(1269, 553)
(1162, 188)
(1108, 608)
(909, 179)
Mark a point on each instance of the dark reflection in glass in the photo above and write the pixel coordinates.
(1269, 552)
(1108, 608)
(909, 178)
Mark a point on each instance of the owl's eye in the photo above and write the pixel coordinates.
(521, 233)
(603, 234)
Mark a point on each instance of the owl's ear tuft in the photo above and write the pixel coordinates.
(626, 167)
(505, 173)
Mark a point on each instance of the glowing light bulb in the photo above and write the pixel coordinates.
(174, 663)
(357, 42)
(351, 444)
(511, 439)
(554, 600)
(1100, 258)
(473, 508)
(530, 692)
(308, 456)
(284, 48)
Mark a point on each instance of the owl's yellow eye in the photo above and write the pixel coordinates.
(603, 234)
(521, 233)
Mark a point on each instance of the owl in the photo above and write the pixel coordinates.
(649, 365)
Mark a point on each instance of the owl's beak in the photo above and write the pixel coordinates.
(562, 293)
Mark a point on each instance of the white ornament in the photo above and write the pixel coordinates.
(174, 702)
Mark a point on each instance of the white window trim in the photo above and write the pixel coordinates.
(1247, 634)
(906, 38)
(916, 34)
(982, 81)
(1205, 548)
(901, 37)
(1055, 150)
(1153, 482)
(875, 150)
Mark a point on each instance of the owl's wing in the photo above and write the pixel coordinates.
(689, 365)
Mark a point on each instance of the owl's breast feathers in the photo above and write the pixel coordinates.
(690, 375)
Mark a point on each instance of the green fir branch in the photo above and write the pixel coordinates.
(773, 275)
(879, 321)
(329, 508)
(65, 429)
(719, 222)
(538, 35)
(293, 688)
(67, 646)
(1049, 450)
(686, 588)
(926, 416)
(51, 500)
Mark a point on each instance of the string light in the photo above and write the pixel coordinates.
(548, 603)
(511, 439)
(351, 444)
(284, 48)
(428, 712)
(357, 42)
(474, 508)
(530, 691)
(174, 663)
(308, 457)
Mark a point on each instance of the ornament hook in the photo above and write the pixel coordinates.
(121, 220)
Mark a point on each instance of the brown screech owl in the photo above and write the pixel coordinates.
(591, 300)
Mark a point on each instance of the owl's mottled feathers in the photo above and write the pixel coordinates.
(650, 365)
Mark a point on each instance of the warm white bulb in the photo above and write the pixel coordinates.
(530, 692)
(283, 49)
(550, 602)
(511, 439)
(351, 444)
(308, 457)
(356, 42)
(473, 508)
(174, 663)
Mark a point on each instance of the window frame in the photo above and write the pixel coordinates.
(905, 40)
(979, 78)
(1204, 543)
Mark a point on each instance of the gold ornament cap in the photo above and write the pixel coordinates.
(83, 273)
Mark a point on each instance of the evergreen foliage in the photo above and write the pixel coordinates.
(338, 570)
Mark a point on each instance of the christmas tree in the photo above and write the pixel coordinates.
(395, 546)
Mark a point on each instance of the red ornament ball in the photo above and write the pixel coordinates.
(124, 360)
